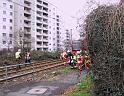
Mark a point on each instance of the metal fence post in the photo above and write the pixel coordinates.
(6, 69)
(33, 71)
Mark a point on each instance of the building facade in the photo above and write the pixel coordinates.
(37, 25)
(24, 23)
(6, 24)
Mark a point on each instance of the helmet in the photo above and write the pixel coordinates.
(19, 50)
(68, 51)
(78, 52)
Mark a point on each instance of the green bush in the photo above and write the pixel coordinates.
(105, 34)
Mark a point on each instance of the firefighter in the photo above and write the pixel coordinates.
(79, 61)
(74, 60)
(64, 57)
(87, 60)
(70, 58)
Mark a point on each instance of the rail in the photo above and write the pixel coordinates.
(11, 71)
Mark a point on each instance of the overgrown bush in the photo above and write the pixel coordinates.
(9, 57)
(39, 55)
(105, 34)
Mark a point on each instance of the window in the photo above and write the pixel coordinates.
(11, 13)
(10, 35)
(10, 42)
(4, 4)
(10, 20)
(4, 12)
(11, 6)
(4, 19)
(9, 0)
(4, 27)
(4, 42)
(4, 34)
(10, 27)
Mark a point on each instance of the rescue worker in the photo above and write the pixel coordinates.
(18, 57)
(70, 58)
(74, 59)
(27, 57)
(87, 61)
(79, 61)
(64, 57)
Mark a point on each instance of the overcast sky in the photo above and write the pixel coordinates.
(75, 8)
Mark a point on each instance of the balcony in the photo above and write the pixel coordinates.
(45, 15)
(39, 33)
(27, 18)
(27, 4)
(27, 24)
(45, 4)
(27, 40)
(39, 1)
(45, 39)
(39, 27)
(27, 32)
(39, 22)
(39, 43)
(39, 39)
(27, 11)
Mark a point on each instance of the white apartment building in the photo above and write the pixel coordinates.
(48, 26)
(38, 25)
(6, 24)
(24, 23)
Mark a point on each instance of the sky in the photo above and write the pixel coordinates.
(72, 9)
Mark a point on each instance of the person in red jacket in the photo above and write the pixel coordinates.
(79, 61)
(63, 57)
(87, 61)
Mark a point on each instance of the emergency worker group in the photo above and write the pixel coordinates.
(78, 59)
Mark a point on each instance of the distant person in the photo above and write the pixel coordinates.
(27, 57)
(18, 57)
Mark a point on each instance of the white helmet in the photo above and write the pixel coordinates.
(19, 50)
(68, 51)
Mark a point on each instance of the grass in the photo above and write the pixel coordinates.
(81, 89)
(66, 70)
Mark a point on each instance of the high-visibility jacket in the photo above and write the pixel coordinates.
(79, 59)
(64, 55)
(17, 55)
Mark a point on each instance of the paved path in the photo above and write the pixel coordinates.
(43, 88)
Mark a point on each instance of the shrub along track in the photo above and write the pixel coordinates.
(8, 73)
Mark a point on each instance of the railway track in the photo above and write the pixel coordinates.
(11, 71)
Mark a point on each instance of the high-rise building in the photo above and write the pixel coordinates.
(6, 24)
(24, 23)
(38, 25)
